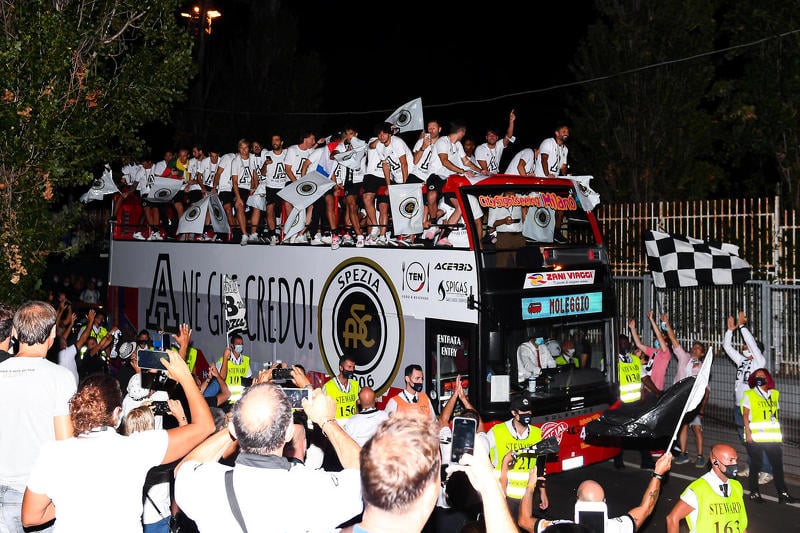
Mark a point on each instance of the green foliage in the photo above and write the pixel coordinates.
(645, 130)
(78, 78)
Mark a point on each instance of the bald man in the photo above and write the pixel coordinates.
(592, 491)
(714, 500)
(364, 425)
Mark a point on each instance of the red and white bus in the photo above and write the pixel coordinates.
(451, 310)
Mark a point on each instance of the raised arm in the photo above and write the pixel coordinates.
(727, 343)
(510, 130)
(640, 513)
(670, 332)
(183, 338)
(322, 411)
(635, 335)
(449, 407)
(759, 360)
(656, 329)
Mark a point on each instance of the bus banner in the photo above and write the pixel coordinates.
(555, 306)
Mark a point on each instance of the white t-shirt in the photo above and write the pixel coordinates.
(66, 358)
(428, 163)
(243, 170)
(527, 155)
(275, 174)
(454, 152)
(556, 157)
(744, 365)
(208, 170)
(270, 499)
(191, 173)
(499, 213)
(144, 179)
(492, 156)
(106, 496)
(374, 162)
(225, 163)
(362, 426)
(531, 359)
(392, 154)
(32, 391)
(296, 158)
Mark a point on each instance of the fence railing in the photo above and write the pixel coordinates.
(700, 315)
(765, 233)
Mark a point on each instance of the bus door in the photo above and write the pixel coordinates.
(449, 348)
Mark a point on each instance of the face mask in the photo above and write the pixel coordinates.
(570, 351)
(142, 344)
(348, 374)
(656, 345)
(525, 419)
(748, 354)
(538, 341)
(730, 471)
(238, 348)
(761, 381)
(417, 387)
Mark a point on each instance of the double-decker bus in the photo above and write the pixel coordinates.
(455, 311)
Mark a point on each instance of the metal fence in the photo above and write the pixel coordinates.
(765, 233)
(700, 314)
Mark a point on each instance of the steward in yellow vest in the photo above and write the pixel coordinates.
(344, 389)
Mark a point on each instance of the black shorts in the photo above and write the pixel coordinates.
(244, 194)
(194, 196)
(226, 197)
(435, 183)
(352, 189)
(414, 179)
(179, 197)
(372, 183)
(272, 197)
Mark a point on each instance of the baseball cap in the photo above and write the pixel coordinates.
(521, 403)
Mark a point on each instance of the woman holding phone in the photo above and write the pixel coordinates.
(69, 470)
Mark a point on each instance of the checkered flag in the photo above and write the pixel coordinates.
(680, 261)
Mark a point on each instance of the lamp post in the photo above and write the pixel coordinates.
(200, 20)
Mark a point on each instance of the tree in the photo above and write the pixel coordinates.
(78, 78)
(756, 100)
(645, 129)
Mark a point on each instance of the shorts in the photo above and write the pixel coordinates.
(413, 179)
(435, 183)
(352, 189)
(145, 201)
(194, 196)
(372, 183)
(697, 421)
(179, 197)
(244, 194)
(272, 197)
(226, 197)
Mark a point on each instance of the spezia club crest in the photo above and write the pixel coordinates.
(306, 188)
(360, 315)
(193, 213)
(409, 207)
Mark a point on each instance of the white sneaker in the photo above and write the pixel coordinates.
(155, 236)
(374, 233)
(273, 240)
(317, 240)
(430, 233)
(764, 478)
(347, 240)
(206, 238)
(139, 236)
(335, 241)
(253, 237)
(744, 472)
(360, 241)
(326, 239)
(381, 240)
(371, 240)
(244, 240)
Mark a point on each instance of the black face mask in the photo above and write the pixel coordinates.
(142, 344)
(761, 381)
(417, 387)
(348, 374)
(525, 419)
(730, 471)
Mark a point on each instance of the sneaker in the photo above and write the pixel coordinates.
(155, 236)
(335, 242)
(764, 478)
(756, 497)
(326, 239)
(744, 472)
(205, 237)
(700, 462)
(139, 236)
(430, 233)
(273, 240)
(347, 240)
(370, 240)
(381, 240)
(253, 237)
(784, 497)
(244, 240)
(444, 242)
(360, 241)
(317, 240)
(681, 459)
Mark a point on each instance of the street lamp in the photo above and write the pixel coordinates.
(195, 19)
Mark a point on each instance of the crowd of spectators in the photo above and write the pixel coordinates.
(210, 445)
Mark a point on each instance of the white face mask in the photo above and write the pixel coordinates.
(748, 354)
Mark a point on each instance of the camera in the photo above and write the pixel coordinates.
(282, 374)
(160, 408)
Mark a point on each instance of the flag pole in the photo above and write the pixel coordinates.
(698, 389)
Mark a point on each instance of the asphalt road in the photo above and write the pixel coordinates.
(624, 489)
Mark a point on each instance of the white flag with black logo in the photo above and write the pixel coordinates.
(698, 391)
(408, 117)
(194, 218)
(306, 190)
(681, 261)
(100, 187)
(219, 220)
(295, 222)
(234, 308)
(588, 197)
(407, 208)
(539, 224)
(351, 158)
(163, 190)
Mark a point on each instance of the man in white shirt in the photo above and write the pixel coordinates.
(275, 179)
(553, 152)
(35, 395)
(489, 154)
(524, 162)
(532, 357)
(296, 165)
(365, 423)
(244, 179)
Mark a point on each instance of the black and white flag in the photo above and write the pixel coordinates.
(405, 200)
(680, 261)
(408, 117)
(100, 187)
(235, 310)
(305, 191)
